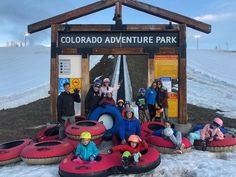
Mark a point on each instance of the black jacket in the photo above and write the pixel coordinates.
(65, 104)
(92, 99)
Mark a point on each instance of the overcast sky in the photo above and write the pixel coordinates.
(15, 15)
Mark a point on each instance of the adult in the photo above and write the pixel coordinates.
(162, 100)
(92, 98)
(106, 87)
(65, 107)
(151, 95)
(129, 126)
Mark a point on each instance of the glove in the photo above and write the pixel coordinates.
(123, 141)
(76, 91)
(92, 158)
(109, 151)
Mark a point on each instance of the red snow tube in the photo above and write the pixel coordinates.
(227, 144)
(162, 144)
(74, 143)
(10, 151)
(46, 152)
(96, 129)
(108, 164)
(49, 133)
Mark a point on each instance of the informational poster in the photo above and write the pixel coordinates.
(173, 105)
(166, 81)
(166, 66)
(64, 67)
(166, 69)
(61, 81)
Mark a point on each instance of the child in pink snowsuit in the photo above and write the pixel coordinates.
(210, 132)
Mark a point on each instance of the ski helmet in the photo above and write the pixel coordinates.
(106, 80)
(142, 90)
(134, 138)
(218, 121)
(85, 135)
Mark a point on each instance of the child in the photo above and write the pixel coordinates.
(210, 132)
(129, 126)
(87, 149)
(107, 100)
(106, 87)
(141, 102)
(173, 135)
(126, 105)
(131, 151)
(120, 105)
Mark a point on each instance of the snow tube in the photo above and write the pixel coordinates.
(49, 133)
(162, 144)
(108, 164)
(227, 144)
(109, 115)
(79, 118)
(96, 129)
(47, 152)
(74, 143)
(10, 151)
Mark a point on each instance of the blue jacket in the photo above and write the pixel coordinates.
(151, 96)
(85, 152)
(129, 127)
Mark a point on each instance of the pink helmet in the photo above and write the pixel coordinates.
(134, 138)
(106, 80)
(218, 121)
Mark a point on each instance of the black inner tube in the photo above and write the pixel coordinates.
(53, 143)
(154, 127)
(11, 144)
(52, 131)
(90, 124)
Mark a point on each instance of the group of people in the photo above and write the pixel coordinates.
(128, 135)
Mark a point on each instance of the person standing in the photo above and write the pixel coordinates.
(162, 100)
(65, 107)
(151, 95)
(106, 87)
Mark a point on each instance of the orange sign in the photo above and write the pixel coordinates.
(75, 83)
(166, 66)
(172, 105)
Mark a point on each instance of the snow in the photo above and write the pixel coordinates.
(211, 83)
(211, 80)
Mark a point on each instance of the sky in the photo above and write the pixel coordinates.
(15, 15)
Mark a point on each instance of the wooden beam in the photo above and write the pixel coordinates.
(118, 14)
(150, 71)
(182, 106)
(71, 15)
(54, 71)
(85, 82)
(156, 11)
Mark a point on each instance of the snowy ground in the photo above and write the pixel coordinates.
(211, 83)
(193, 164)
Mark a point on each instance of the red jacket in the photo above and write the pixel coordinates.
(141, 147)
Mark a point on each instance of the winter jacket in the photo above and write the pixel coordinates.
(104, 89)
(141, 102)
(85, 152)
(91, 100)
(129, 127)
(106, 101)
(208, 132)
(65, 104)
(141, 147)
(151, 95)
(162, 97)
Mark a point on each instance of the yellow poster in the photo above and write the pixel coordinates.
(166, 66)
(173, 105)
(75, 83)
